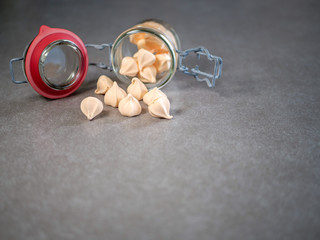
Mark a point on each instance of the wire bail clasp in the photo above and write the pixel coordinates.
(103, 46)
(208, 77)
(12, 72)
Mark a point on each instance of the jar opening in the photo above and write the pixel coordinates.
(60, 64)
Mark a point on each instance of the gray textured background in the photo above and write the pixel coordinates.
(240, 161)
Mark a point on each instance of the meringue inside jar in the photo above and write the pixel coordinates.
(157, 38)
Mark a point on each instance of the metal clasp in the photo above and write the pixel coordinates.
(11, 70)
(108, 46)
(208, 77)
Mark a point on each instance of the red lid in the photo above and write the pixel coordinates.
(45, 37)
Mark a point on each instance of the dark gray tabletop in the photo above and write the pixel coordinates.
(240, 161)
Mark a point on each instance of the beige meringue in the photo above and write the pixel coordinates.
(160, 108)
(129, 67)
(150, 39)
(163, 62)
(137, 88)
(129, 106)
(91, 107)
(134, 38)
(145, 58)
(148, 74)
(135, 56)
(103, 84)
(153, 94)
(159, 27)
(152, 44)
(114, 95)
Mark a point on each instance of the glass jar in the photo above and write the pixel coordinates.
(154, 36)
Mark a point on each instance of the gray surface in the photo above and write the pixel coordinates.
(237, 162)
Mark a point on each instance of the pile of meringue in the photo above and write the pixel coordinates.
(146, 64)
(127, 102)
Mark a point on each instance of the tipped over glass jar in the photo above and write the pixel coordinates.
(156, 37)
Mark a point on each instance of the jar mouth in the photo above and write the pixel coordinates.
(60, 64)
(120, 50)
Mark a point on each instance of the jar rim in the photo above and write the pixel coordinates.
(72, 78)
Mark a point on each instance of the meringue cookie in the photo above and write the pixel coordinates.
(160, 108)
(145, 58)
(152, 44)
(129, 106)
(129, 67)
(134, 38)
(148, 74)
(163, 62)
(114, 95)
(137, 88)
(103, 85)
(161, 28)
(91, 107)
(153, 94)
(135, 56)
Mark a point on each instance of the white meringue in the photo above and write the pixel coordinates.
(129, 67)
(129, 106)
(137, 88)
(148, 74)
(153, 94)
(145, 58)
(103, 84)
(163, 62)
(91, 107)
(114, 95)
(160, 108)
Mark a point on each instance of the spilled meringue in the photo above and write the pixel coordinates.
(137, 89)
(148, 74)
(114, 95)
(153, 94)
(103, 84)
(91, 107)
(163, 62)
(129, 106)
(160, 108)
(129, 67)
(145, 58)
